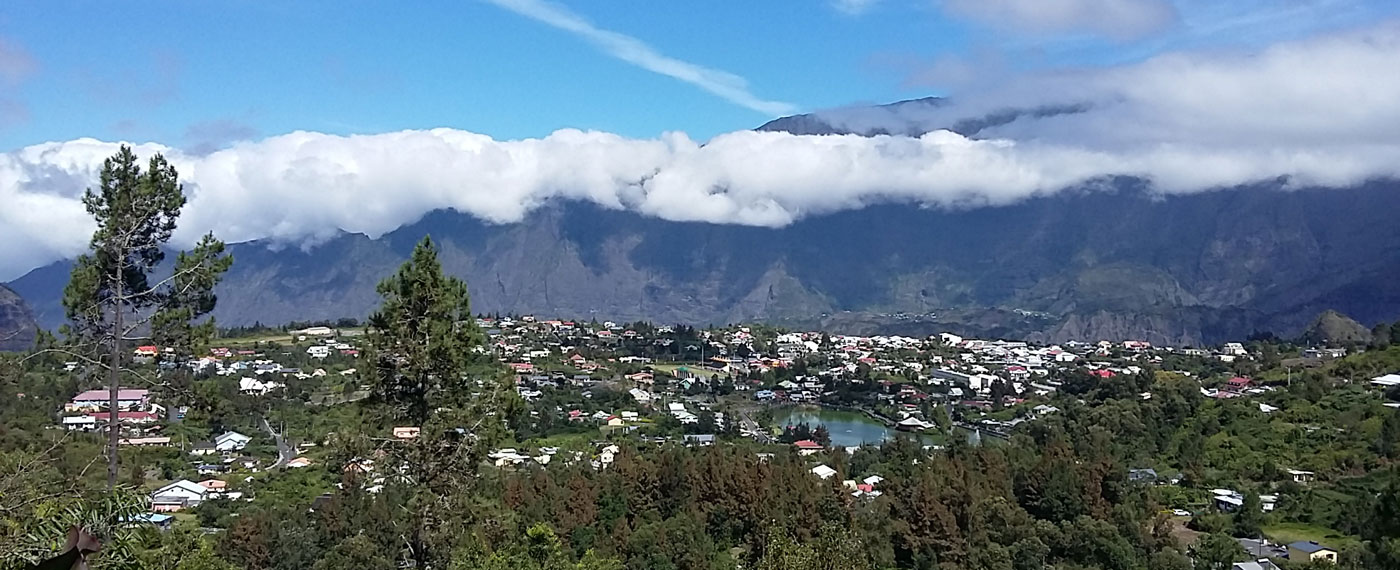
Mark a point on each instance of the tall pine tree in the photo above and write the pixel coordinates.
(432, 369)
(110, 300)
(424, 338)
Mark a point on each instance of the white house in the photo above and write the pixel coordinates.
(914, 424)
(178, 495)
(607, 455)
(1386, 381)
(823, 471)
(1302, 476)
(257, 387)
(231, 441)
(318, 351)
(84, 423)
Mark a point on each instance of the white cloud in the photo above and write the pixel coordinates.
(1117, 19)
(728, 86)
(1322, 112)
(853, 7)
(1315, 95)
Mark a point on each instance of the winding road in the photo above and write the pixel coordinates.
(284, 452)
(750, 425)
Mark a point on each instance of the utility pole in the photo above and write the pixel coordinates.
(114, 379)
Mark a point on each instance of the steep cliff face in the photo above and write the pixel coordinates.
(1094, 265)
(1112, 262)
(17, 325)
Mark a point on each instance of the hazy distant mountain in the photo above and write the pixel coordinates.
(908, 118)
(831, 122)
(1116, 264)
(17, 326)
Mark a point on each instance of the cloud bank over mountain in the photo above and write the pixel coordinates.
(1119, 19)
(1318, 112)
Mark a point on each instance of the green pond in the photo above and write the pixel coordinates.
(847, 429)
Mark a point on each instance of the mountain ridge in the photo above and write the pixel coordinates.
(1113, 265)
(1113, 260)
(17, 323)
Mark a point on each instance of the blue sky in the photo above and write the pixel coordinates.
(112, 70)
(200, 73)
(469, 105)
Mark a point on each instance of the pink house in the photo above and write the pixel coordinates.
(93, 400)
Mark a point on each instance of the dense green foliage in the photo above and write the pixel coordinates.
(1056, 494)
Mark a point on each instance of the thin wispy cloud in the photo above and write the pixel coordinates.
(852, 7)
(728, 86)
(1117, 19)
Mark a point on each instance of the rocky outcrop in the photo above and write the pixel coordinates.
(1333, 328)
(17, 325)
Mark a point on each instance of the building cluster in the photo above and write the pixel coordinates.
(708, 382)
(144, 422)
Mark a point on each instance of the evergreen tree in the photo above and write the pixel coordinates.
(1388, 441)
(432, 370)
(110, 300)
(1380, 335)
(1218, 552)
(1250, 516)
(423, 338)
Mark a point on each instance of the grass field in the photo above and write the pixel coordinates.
(246, 340)
(278, 337)
(1284, 533)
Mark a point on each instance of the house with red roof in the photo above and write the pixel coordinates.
(93, 400)
(807, 447)
(1238, 384)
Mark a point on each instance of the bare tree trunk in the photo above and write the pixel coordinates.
(114, 383)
